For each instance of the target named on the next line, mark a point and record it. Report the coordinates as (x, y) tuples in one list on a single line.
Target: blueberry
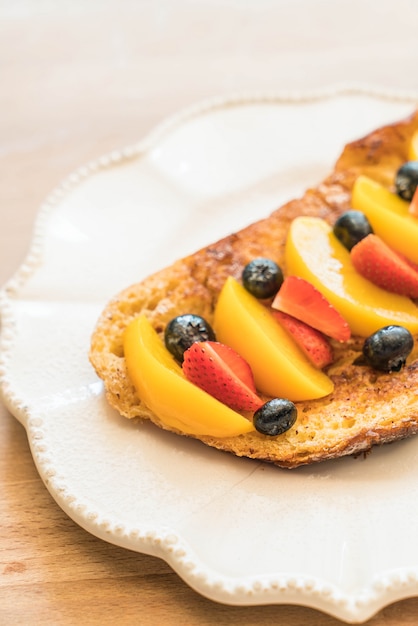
[(388, 348), (262, 278), (184, 330), (275, 417), (351, 227), (406, 180)]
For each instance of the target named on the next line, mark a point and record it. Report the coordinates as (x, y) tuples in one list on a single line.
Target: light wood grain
[(79, 79)]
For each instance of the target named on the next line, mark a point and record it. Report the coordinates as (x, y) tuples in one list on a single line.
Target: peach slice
[(413, 147), (160, 383), (388, 215), (314, 253), (279, 366), (367, 191)]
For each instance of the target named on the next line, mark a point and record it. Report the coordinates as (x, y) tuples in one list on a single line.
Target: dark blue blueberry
[(262, 278), (184, 330), (275, 417), (388, 348), (351, 227), (406, 180)]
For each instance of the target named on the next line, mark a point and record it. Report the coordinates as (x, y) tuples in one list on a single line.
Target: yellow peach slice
[(388, 215), (160, 383), (368, 192), (314, 253), (413, 147), (280, 368)]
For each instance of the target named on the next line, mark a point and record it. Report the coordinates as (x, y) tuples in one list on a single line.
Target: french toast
[(366, 408)]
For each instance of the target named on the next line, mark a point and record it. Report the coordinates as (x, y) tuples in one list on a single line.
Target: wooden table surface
[(79, 79)]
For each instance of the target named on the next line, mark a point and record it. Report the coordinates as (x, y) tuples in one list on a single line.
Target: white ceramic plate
[(340, 536)]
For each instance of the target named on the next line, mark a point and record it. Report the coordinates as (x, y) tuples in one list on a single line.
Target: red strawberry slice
[(223, 373), (312, 342), (299, 298), (413, 207), (384, 267)]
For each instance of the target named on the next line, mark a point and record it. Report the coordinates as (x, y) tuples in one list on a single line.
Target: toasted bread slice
[(366, 408)]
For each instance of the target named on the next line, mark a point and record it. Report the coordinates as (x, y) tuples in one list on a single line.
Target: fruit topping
[(280, 368), (182, 331), (275, 417), (369, 196), (384, 267), (413, 147), (413, 207), (314, 253), (351, 227), (162, 386), (262, 278), (312, 342), (223, 373), (388, 348), (406, 180), (389, 216), (299, 298)]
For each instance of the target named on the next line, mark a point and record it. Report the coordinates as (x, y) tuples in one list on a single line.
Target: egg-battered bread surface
[(367, 407)]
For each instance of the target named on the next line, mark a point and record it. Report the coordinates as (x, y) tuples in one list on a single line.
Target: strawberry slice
[(384, 267), (299, 298), (413, 207), (223, 373), (312, 342)]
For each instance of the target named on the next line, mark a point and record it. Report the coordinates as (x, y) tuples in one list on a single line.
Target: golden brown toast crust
[(366, 408)]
